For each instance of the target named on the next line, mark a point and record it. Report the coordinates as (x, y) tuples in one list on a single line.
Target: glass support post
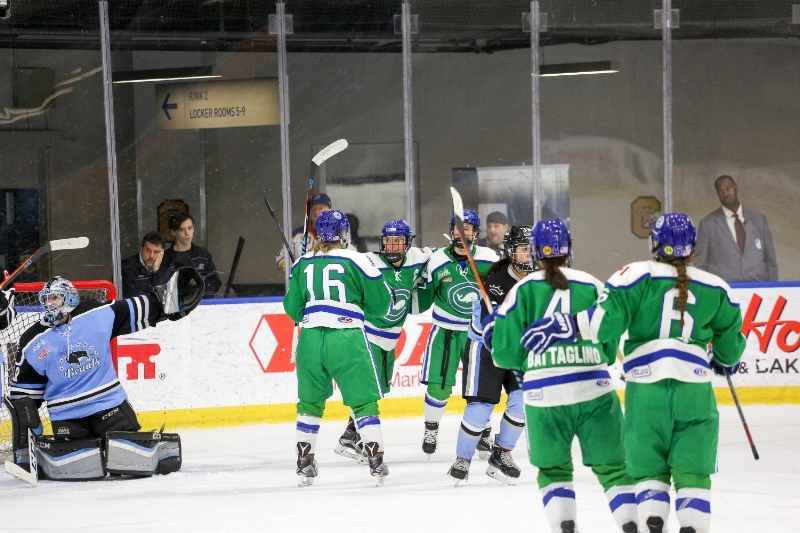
[(408, 121), (536, 165), (666, 32), (283, 91)]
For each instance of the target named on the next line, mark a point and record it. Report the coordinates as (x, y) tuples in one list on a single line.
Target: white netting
[(28, 312)]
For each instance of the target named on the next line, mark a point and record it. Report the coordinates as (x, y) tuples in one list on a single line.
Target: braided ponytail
[(681, 283), (552, 272)]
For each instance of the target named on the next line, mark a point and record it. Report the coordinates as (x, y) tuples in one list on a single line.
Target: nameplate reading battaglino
[(217, 104)]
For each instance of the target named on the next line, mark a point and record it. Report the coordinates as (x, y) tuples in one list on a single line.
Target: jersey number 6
[(327, 283)]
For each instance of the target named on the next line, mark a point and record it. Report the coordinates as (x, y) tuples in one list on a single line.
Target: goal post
[(29, 311)]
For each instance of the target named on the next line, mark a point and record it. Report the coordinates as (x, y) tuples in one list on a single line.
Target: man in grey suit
[(734, 242)]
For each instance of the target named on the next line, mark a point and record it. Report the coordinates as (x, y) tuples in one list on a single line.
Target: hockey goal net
[(30, 311)]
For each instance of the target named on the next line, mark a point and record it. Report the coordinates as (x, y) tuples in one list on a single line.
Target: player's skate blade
[(655, 524), (430, 441), (502, 466), (485, 444), (307, 467), (344, 451), (459, 471)]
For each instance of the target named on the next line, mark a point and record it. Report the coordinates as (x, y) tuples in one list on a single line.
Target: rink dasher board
[(228, 362)]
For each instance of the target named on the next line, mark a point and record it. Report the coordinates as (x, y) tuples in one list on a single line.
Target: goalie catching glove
[(181, 294)]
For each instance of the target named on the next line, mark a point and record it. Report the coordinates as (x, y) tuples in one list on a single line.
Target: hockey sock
[(652, 499), (435, 401), (693, 509), (307, 430), (513, 422), (559, 504), (476, 415), (619, 491), (369, 427)]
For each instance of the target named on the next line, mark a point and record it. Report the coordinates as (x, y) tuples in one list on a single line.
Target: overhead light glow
[(168, 79), (164, 74), (577, 69)]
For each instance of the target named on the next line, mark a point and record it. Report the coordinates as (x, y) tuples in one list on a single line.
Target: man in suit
[(734, 242)]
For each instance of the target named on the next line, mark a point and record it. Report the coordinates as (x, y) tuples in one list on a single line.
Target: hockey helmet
[(470, 217), (551, 238), (332, 226), (515, 237), (58, 298), (395, 228), (673, 235)]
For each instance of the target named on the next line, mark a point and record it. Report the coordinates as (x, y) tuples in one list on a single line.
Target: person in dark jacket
[(185, 253), (142, 271)]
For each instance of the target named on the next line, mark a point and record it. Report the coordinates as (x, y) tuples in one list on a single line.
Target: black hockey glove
[(181, 294)]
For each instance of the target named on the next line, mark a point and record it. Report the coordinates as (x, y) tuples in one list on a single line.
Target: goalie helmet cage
[(30, 311)]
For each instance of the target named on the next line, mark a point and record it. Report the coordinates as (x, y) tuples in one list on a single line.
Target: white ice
[(242, 479)]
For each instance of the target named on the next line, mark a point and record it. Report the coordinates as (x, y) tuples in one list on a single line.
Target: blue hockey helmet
[(550, 238), (395, 228), (672, 236), (470, 217), (58, 297), (332, 226)]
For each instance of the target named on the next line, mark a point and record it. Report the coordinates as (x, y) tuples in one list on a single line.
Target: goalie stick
[(52, 246), (741, 414), (458, 211), (18, 472)]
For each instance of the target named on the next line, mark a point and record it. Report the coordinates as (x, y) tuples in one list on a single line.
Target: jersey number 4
[(669, 315), (327, 283)]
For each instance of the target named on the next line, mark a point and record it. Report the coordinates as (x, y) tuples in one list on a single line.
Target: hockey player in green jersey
[(672, 311), (331, 289), (450, 287), (401, 267), (567, 389)]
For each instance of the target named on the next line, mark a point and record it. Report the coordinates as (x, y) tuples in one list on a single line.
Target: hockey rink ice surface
[(242, 479)]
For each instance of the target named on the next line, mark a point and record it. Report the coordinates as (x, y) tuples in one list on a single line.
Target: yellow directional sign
[(218, 104)]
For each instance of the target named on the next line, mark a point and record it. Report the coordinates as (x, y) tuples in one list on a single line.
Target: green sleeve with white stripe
[(294, 303), (619, 305), (728, 343)]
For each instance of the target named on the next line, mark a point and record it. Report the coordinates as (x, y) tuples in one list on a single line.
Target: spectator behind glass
[(734, 242), (185, 253), (355, 240), (142, 271), (496, 227)]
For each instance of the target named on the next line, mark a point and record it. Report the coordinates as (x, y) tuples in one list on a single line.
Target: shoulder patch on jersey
[(630, 274)]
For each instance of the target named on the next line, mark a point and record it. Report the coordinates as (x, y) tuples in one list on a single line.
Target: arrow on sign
[(166, 106)]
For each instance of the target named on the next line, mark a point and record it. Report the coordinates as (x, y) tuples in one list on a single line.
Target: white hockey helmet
[(58, 297)]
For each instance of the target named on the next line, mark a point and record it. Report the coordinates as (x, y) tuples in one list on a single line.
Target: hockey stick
[(458, 211), (18, 472), (52, 246), (322, 156), (741, 414), (235, 264), (280, 228)]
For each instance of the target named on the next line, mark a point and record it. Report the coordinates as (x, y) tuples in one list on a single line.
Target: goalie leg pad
[(24, 416), (70, 460), (143, 453)]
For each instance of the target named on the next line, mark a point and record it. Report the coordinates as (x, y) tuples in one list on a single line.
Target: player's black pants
[(481, 379), (119, 418)]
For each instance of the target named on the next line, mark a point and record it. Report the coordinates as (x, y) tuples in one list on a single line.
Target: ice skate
[(306, 465), (502, 466), (568, 526), (376, 465), (687, 530), (430, 441), (655, 524), (631, 527), (459, 471), (350, 445), (485, 444)]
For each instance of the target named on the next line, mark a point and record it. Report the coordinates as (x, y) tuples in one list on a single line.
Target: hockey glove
[(719, 369), (541, 334), (181, 294)]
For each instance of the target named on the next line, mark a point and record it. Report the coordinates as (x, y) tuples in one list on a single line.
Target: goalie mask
[(332, 226), (551, 238), (58, 297), (516, 247), (673, 235), (395, 228), (471, 218)]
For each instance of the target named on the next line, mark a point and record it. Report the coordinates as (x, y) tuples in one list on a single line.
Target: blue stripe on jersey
[(704, 506), (622, 499), (307, 428), (381, 333), (657, 495), (558, 493), (317, 308), (661, 354), (440, 318), (566, 378)]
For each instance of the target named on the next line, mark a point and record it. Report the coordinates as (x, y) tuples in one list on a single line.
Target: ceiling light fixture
[(577, 69)]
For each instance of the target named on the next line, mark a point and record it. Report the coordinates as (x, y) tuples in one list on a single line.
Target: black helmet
[(517, 236)]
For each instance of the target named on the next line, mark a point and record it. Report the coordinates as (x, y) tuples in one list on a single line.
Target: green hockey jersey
[(566, 373), (335, 290), (385, 330), (450, 287), (641, 298)]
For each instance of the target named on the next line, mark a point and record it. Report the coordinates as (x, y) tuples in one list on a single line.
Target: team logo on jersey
[(496, 289), (460, 297), (75, 358), (603, 382), (399, 308)]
